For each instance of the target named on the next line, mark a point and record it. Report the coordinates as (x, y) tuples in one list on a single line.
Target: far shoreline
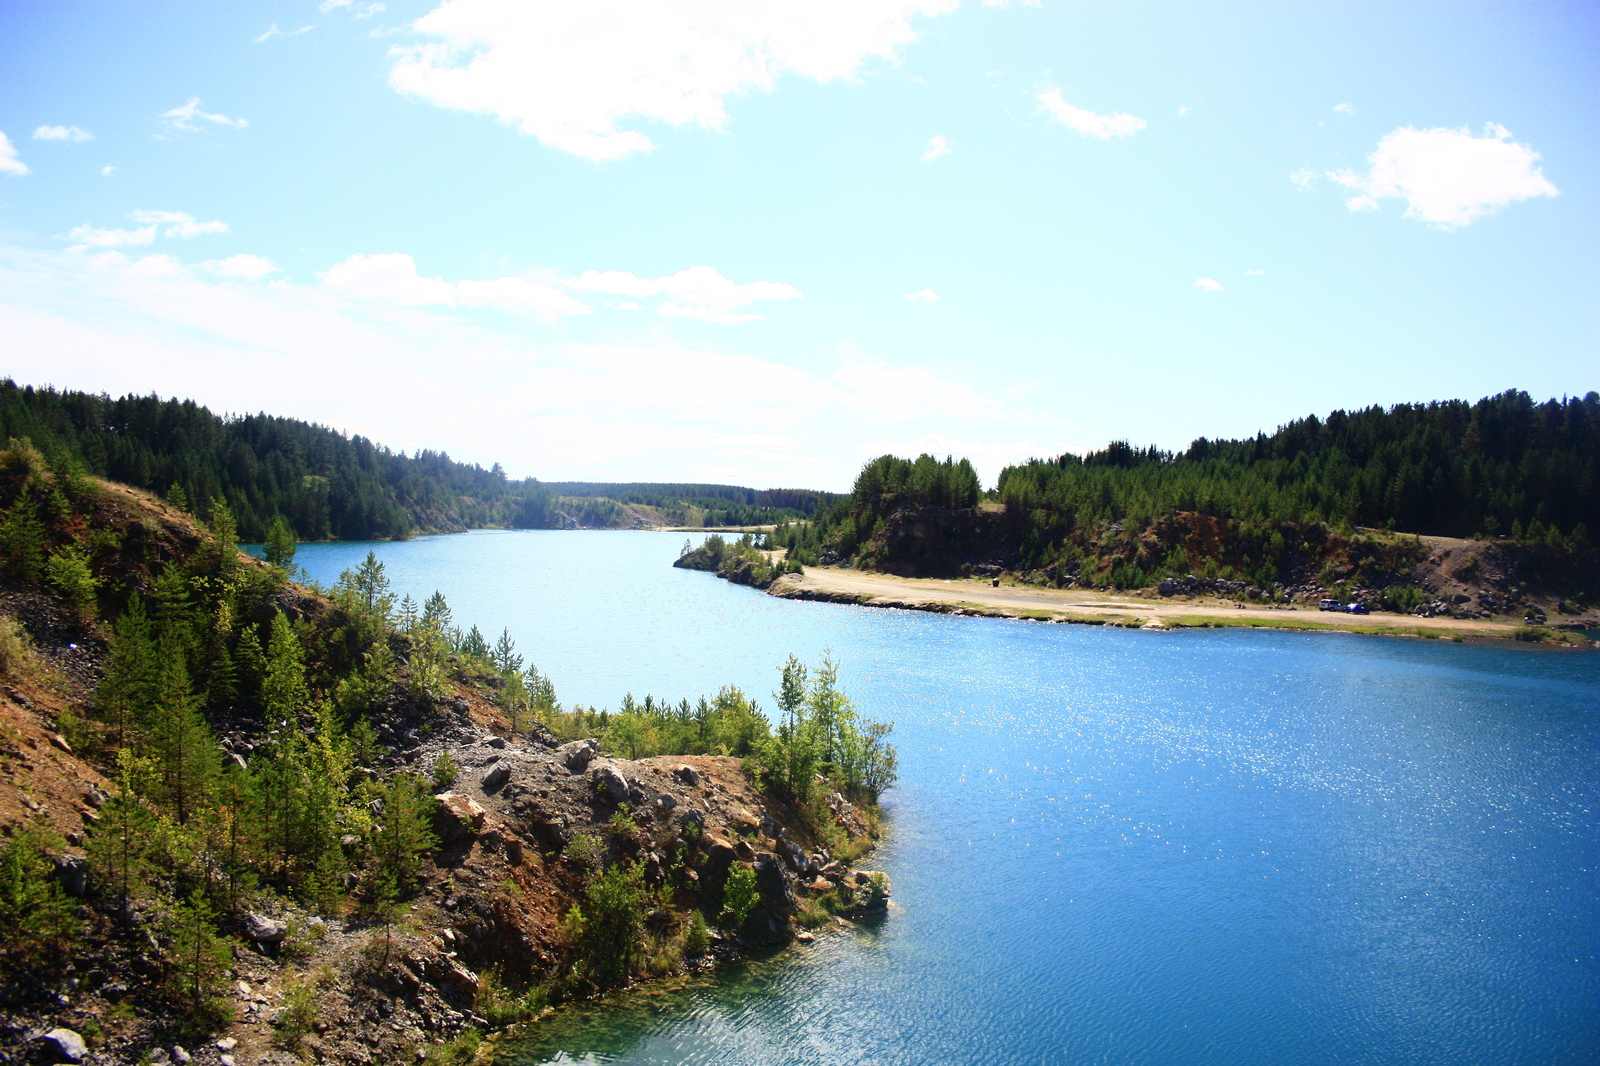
[(972, 597)]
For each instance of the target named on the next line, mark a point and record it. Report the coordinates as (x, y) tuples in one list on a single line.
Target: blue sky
[(760, 243)]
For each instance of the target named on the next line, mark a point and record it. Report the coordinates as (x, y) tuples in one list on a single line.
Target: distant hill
[(332, 486)]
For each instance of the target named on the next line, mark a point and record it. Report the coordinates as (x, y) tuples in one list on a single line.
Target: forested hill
[(1270, 508), (711, 505), (330, 486), (326, 484)]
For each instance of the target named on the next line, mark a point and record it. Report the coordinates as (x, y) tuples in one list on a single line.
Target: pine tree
[(128, 688), (36, 915), (184, 751), (280, 546), (198, 960), (283, 680), (119, 846)]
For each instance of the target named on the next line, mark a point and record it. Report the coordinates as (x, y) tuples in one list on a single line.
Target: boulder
[(457, 818), (666, 801), (73, 873), (578, 754), (773, 885), (64, 1044), (608, 779), (688, 775), (265, 930), (497, 776)]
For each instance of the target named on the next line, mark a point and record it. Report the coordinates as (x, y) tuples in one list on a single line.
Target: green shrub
[(68, 570), (739, 895), (16, 650), (37, 917), (444, 772), (586, 849), (697, 938)]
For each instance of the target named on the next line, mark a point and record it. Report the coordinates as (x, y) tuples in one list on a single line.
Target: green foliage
[(696, 938), (820, 732), (612, 919), (22, 539), (68, 570), (740, 561), (739, 895), (444, 772), (36, 915), (16, 650), (500, 1007), (280, 545), (403, 832), (197, 963), (586, 850)]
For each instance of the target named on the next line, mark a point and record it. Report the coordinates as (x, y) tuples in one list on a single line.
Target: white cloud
[(1303, 178), (484, 390), (1254, 273), (273, 31), (573, 74), (357, 10), (1088, 123), (179, 224), (75, 134), (107, 170), (1447, 177), (924, 296), (9, 162), (1183, 110), (87, 236), (392, 278), (1208, 284), (188, 117), (1344, 109), (698, 292), (242, 266), (937, 146)]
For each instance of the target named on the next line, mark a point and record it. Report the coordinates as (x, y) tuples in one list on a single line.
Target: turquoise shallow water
[(1112, 847)]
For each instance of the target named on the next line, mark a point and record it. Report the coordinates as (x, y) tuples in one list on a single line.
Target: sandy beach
[(973, 596)]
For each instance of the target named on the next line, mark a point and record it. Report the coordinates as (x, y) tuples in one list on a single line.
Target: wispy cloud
[(107, 170), (699, 292), (1254, 273), (75, 134), (937, 146), (244, 267), (577, 75), (1208, 284), (1086, 122), (923, 296), (1448, 177), (392, 278), (180, 224), (1303, 178), (10, 162), (1344, 109), (273, 31), (87, 236), (357, 10), (188, 117)]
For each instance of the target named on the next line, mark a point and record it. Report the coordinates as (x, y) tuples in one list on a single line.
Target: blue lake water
[(1108, 846)]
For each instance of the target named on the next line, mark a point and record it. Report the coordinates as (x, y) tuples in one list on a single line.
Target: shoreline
[(973, 597)]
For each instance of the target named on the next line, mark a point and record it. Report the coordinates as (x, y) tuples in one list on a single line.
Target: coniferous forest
[(329, 486), (1504, 467)]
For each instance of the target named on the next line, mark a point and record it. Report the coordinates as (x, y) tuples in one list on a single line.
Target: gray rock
[(608, 778), (180, 1056), (688, 775), (773, 885), (666, 801), (65, 1045), (265, 930), (73, 873), (578, 754), (497, 776), (227, 1043)]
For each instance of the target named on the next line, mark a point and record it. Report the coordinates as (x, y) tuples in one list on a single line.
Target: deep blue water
[(1108, 846)]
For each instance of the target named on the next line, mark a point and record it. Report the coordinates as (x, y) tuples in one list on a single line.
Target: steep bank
[(487, 926)]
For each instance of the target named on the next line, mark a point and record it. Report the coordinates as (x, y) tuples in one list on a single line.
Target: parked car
[(1329, 605), (1357, 608)]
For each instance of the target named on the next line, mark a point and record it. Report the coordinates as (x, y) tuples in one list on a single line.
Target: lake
[(1108, 846)]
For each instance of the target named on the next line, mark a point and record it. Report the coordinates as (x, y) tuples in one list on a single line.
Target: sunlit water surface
[(1107, 846)]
